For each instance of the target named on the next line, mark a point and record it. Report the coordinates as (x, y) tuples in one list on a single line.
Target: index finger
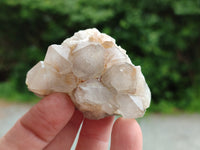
[(40, 125)]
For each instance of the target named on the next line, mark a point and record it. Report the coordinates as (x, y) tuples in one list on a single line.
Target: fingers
[(65, 138), (95, 134), (46, 123), (126, 135), (41, 124)]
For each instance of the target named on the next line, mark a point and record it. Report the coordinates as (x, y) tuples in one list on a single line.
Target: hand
[(52, 124)]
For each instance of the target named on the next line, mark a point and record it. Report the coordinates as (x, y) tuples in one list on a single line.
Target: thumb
[(40, 125)]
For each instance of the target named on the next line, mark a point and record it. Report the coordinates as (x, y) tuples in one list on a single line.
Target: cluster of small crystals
[(96, 73)]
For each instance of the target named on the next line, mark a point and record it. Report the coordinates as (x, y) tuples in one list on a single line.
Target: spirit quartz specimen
[(96, 73)]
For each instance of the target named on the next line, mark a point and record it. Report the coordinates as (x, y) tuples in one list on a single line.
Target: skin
[(54, 122)]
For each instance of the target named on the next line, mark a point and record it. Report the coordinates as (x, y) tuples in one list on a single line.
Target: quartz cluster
[(96, 73)]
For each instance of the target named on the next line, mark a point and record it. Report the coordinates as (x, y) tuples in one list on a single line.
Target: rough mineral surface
[(96, 73)]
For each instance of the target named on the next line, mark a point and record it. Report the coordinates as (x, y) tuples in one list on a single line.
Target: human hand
[(52, 124)]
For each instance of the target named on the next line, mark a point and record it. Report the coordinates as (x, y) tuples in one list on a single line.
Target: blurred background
[(163, 36)]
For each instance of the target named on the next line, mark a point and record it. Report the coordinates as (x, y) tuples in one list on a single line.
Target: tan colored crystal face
[(97, 74)]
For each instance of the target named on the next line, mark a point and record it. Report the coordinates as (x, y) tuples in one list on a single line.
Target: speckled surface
[(171, 132)]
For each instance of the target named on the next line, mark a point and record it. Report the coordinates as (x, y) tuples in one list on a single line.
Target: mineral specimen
[(96, 73)]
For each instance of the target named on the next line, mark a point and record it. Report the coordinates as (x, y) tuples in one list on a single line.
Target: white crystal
[(89, 35), (43, 79), (121, 78), (58, 57), (88, 61), (130, 106), (116, 55), (142, 89), (97, 74), (93, 93)]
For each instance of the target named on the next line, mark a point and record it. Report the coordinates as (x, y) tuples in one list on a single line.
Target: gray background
[(160, 132)]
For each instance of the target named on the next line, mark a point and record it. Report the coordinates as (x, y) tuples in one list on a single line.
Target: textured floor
[(160, 132), (177, 132)]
